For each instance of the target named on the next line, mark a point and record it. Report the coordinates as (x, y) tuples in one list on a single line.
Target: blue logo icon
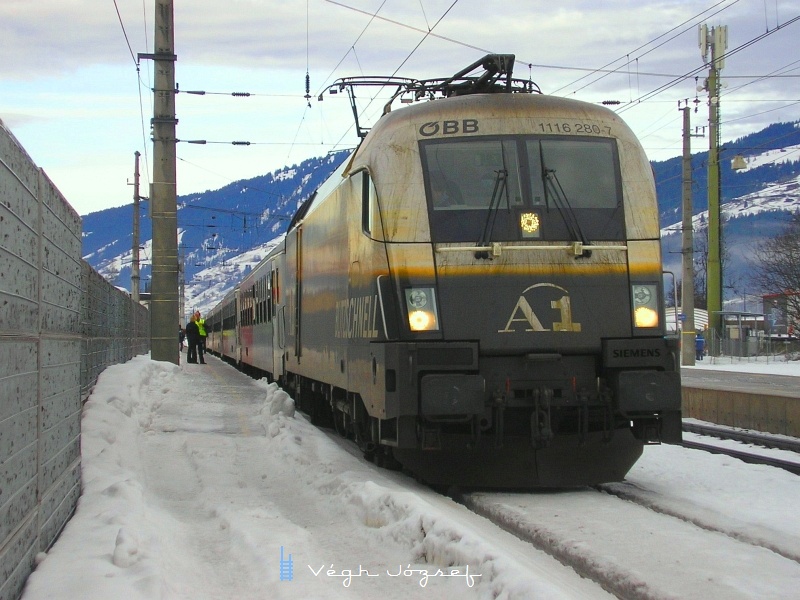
[(287, 567)]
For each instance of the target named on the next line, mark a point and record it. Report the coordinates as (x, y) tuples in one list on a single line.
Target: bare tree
[(700, 268), (778, 267)]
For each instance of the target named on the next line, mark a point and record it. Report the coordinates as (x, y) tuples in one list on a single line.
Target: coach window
[(260, 301), (276, 292), (268, 294), (264, 299)]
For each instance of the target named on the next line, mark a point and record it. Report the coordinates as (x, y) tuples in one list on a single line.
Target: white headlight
[(645, 317), (419, 320)]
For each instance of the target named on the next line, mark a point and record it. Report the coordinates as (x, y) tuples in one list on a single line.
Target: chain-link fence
[(749, 348)]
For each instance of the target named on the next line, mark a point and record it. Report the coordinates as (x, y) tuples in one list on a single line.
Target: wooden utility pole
[(164, 317), (135, 246), (714, 40)]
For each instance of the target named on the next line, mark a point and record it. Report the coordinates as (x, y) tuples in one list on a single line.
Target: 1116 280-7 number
[(575, 128)]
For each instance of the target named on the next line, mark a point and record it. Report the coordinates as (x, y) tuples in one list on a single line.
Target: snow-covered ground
[(766, 365), (200, 483)]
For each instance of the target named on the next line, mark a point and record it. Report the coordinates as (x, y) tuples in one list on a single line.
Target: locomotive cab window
[(370, 223), (549, 188)]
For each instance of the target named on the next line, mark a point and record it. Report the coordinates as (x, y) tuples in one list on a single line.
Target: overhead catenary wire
[(125, 34), (141, 100), (428, 32), (777, 73), (702, 68), (715, 9), (352, 46), (138, 79), (338, 64), (424, 37), (604, 69), (405, 25), (763, 146), (705, 14), (243, 187)]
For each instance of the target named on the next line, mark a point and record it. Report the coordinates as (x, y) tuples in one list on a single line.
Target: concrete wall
[(770, 414), (113, 328), (61, 324)]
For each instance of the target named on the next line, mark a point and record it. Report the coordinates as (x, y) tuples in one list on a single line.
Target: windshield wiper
[(561, 202), (500, 179), (553, 186)]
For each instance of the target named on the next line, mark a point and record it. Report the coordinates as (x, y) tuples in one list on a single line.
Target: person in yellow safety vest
[(201, 347)]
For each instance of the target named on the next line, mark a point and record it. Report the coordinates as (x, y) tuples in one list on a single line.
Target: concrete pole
[(135, 246), (688, 332), (164, 317), (715, 40), (714, 270), (182, 287)]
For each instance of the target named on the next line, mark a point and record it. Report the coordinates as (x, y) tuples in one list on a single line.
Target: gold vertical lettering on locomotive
[(357, 317), (358, 310), (365, 317), (351, 315), (375, 303)]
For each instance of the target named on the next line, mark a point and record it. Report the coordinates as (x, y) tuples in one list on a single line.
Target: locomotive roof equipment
[(496, 78)]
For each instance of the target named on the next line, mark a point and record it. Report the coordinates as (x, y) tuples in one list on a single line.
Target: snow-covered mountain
[(224, 233), (221, 233), (747, 219)]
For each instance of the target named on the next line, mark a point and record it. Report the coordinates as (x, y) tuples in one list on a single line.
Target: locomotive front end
[(523, 248)]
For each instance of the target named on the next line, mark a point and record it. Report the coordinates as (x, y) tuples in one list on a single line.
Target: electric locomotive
[(476, 294)]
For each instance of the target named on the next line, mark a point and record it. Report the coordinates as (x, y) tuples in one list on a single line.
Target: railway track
[(639, 544), (629, 545), (607, 532), (754, 438), (670, 530)]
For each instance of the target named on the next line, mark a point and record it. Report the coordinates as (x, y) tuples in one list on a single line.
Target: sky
[(199, 483), (74, 93)]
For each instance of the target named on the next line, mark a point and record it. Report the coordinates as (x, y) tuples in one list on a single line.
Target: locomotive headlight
[(530, 224), (421, 305), (645, 307)]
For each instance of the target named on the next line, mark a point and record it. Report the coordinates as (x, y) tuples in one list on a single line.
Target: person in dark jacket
[(193, 337), (700, 347)]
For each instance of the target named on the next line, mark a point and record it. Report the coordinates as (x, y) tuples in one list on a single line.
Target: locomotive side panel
[(365, 317), (317, 264)]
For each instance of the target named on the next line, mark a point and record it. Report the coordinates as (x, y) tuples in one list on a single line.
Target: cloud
[(69, 79), (47, 37)]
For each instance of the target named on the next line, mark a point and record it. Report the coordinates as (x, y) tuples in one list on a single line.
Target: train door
[(298, 295), (277, 316), (237, 330)]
